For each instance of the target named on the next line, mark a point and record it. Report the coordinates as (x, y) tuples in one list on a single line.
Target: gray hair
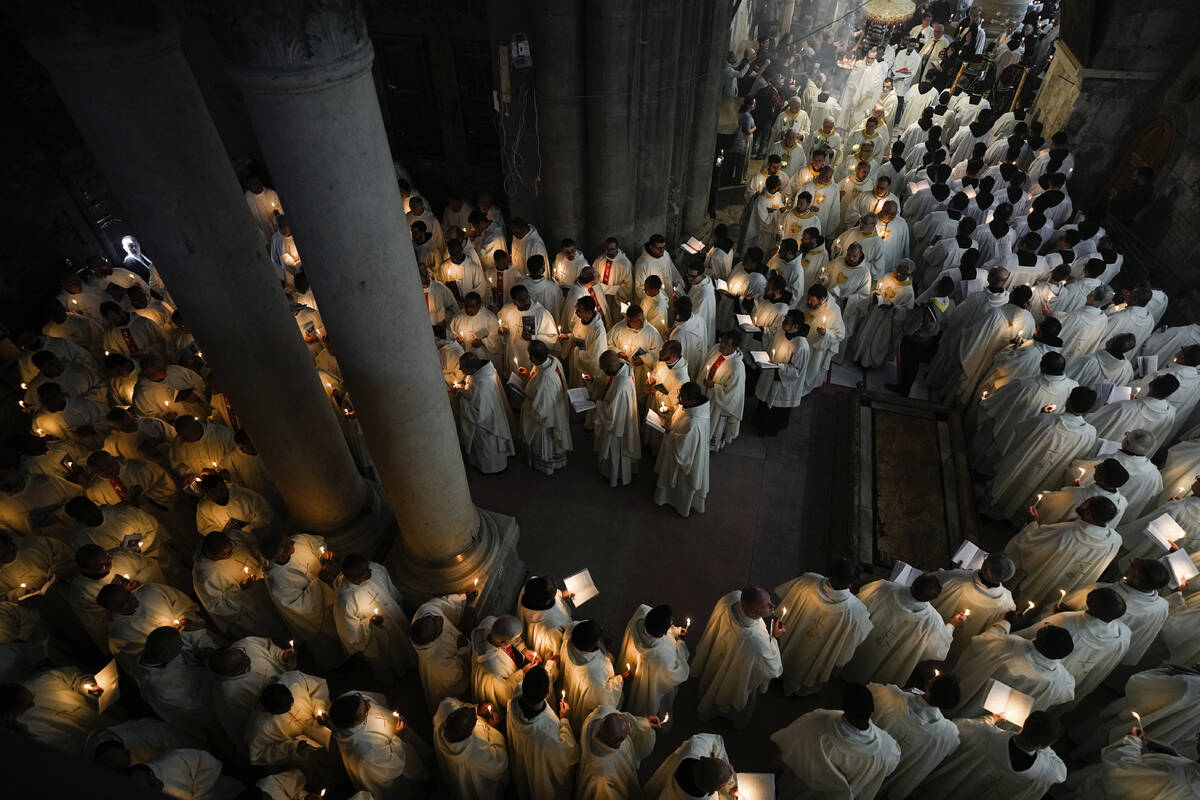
[(1140, 442)]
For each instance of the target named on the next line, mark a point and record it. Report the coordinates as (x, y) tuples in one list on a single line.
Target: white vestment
[(235, 696), (188, 774), (823, 628), (272, 739), (662, 784), (484, 422), (827, 757), (981, 767), (683, 460), (1014, 661), (494, 673), (727, 395), (1065, 555), (618, 445), (924, 736), (1114, 420), (306, 602), (736, 660), (61, 715), (374, 755), (443, 662), (542, 753), (905, 631), (1048, 444), (218, 584), (1145, 613), (385, 646), (660, 666), (475, 768), (1099, 647), (546, 417), (963, 588), (158, 605), (588, 679), (611, 774)]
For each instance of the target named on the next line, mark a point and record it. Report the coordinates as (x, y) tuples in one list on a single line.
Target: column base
[(369, 533), (492, 558)]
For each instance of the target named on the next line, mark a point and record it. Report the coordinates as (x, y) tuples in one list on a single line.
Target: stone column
[(558, 72), (658, 76), (136, 104), (305, 71), (612, 34), (705, 113)]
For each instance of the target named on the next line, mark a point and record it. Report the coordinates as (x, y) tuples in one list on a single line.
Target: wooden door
[(1150, 150)]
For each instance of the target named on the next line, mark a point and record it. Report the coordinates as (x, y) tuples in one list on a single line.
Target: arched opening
[(1151, 149)]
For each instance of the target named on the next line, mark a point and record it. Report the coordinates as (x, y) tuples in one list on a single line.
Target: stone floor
[(767, 521)]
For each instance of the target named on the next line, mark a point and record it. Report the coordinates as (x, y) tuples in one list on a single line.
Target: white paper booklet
[(582, 588), (580, 401)]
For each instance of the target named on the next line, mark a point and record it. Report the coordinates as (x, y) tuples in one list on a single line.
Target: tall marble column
[(305, 70), (136, 104)]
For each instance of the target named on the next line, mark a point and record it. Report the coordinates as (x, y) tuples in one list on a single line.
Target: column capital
[(285, 46), (96, 42)]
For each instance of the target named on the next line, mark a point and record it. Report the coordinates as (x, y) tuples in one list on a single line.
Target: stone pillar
[(654, 124), (136, 104), (705, 112), (305, 71), (558, 72), (612, 35)]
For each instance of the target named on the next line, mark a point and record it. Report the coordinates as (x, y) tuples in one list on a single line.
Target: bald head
[(614, 729), (459, 724), (756, 602)]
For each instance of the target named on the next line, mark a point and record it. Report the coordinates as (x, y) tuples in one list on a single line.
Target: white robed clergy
[(132, 615), (98, 568), (477, 330), (588, 676), (723, 378), (1106, 365), (289, 719), (638, 344), (370, 618), (546, 412), (841, 753), (1145, 609), (879, 335), (522, 321), (980, 590), (442, 650), (542, 751), (499, 660), (471, 754), (1000, 419), (825, 624), (1145, 481), (1166, 700), (906, 630), (826, 331), (1186, 513), (228, 578), (1187, 396), (1100, 639), (1138, 766), (682, 464), (1064, 555), (381, 753), (302, 598), (653, 260), (1180, 468), (849, 279), (653, 645), (862, 89), (1150, 411), (914, 718), (1034, 667), (701, 307), (545, 617), (239, 673), (702, 765), (55, 709), (172, 678), (589, 340), (764, 216), (484, 416), (225, 507), (738, 655), (116, 526), (612, 745), (618, 442), (1046, 446), (781, 389), (186, 774), (991, 761)]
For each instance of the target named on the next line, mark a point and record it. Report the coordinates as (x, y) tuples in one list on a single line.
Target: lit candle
[(24, 386), (126, 577), (107, 353), (1030, 607), (1137, 717), (627, 667), (166, 403), (396, 714), (563, 695), (322, 549), (1081, 471), (665, 718), (983, 396), (783, 612), (688, 623), (1062, 595), (291, 642), (175, 622), (488, 708), (22, 586), (246, 570), (87, 687), (937, 672), (1039, 499), (39, 431), (966, 612)]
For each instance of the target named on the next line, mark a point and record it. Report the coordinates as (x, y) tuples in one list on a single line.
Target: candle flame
[(665, 718), (1062, 595), (966, 612), (1138, 717), (291, 642), (937, 672), (1030, 607)]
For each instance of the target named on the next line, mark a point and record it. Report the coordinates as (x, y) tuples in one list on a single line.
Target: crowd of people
[(135, 512)]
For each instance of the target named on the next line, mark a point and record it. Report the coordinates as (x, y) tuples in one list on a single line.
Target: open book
[(653, 420), (762, 361), (1165, 530), (904, 574), (756, 786), (746, 322), (1183, 569), (580, 401), (1006, 701), (968, 555), (581, 586)]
